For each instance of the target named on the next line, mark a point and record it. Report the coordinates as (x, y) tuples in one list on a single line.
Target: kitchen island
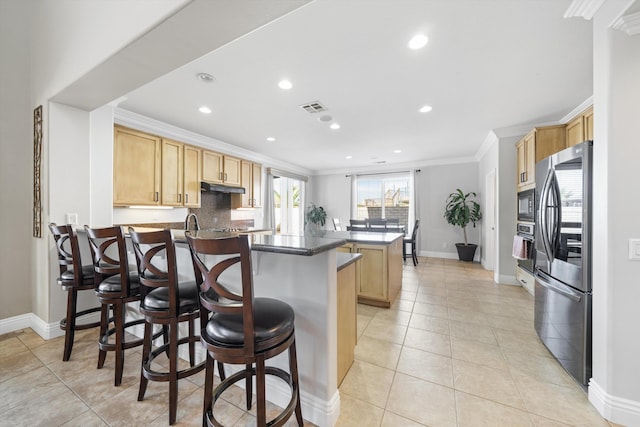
[(380, 270), (302, 271)]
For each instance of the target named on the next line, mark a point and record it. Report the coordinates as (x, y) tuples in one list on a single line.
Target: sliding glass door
[(288, 194)]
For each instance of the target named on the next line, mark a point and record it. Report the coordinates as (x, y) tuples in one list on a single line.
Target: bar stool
[(242, 329), (115, 287), (74, 277), (166, 302)]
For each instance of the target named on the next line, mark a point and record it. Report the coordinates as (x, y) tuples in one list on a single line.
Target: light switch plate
[(634, 249), (72, 218)]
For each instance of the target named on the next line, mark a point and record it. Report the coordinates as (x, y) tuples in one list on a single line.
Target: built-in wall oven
[(526, 230)]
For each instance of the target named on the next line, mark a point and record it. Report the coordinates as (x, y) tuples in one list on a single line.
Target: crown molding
[(583, 9), (630, 24), (579, 109)]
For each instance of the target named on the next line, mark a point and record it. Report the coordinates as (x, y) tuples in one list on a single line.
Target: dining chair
[(116, 286), (74, 277), (336, 224), (411, 241), (239, 328), (377, 224), (358, 224), (165, 301)]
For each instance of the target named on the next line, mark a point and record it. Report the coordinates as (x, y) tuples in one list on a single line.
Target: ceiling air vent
[(313, 107)]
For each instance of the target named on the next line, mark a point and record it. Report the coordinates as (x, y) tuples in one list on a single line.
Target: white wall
[(435, 183), (616, 287), (16, 160)]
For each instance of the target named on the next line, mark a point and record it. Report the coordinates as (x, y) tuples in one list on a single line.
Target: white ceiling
[(489, 64)]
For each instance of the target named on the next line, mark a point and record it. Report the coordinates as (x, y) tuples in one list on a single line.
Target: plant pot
[(466, 252)]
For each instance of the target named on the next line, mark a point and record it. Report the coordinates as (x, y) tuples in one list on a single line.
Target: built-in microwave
[(526, 205)]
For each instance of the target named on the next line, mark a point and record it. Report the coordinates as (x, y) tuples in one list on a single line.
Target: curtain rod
[(379, 173), (279, 172)]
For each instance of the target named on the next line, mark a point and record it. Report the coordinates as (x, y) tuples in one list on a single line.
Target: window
[(383, 196)]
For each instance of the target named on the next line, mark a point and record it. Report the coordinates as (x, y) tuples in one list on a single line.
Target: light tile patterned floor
[(455, 349)]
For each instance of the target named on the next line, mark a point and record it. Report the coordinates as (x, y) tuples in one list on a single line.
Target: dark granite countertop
[(372, 237), (292, 245), (345, 259)]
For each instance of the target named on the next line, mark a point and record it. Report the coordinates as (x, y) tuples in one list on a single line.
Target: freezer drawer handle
[(547, 282)]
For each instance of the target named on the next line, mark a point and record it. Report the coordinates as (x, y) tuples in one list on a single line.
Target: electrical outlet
[(72, 218)]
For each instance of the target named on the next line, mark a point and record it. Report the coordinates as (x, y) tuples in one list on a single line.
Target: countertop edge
[(345, 259)]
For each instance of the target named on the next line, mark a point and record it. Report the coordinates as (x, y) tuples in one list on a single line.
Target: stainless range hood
[(220, 188)]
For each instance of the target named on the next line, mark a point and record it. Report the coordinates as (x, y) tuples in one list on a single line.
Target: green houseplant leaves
[(461, 209), (315, 215)]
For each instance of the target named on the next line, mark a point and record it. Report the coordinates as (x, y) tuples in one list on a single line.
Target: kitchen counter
[(345, 259), (370, 237), (292, 245)]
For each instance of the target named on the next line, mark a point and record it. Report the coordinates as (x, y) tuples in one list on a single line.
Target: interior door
[(490, 221)]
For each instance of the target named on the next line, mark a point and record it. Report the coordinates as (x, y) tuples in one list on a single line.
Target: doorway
[(490, 221)]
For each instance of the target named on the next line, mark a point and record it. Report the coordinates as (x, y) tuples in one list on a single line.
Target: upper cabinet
[(136, 168), (251, 181), (539, 143), (192, 176), (152, 171), (220, 169), (580, 128)]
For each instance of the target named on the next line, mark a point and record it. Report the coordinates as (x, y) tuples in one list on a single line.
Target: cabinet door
[(521, 153), (575, 131), (256, 179), (136, 168), (245, 182), (588, 124), (212, 167), (232, 171), (373, 271), (192, 176), (172, 174), (530, 169)]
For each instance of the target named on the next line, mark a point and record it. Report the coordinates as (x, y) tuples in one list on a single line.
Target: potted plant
[(460, 210), (316, 216)]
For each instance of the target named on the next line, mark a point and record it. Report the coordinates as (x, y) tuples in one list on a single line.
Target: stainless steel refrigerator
[(563, 257)]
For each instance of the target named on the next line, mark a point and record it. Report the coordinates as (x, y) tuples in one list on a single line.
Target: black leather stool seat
[(114, 284), (273, 319), (87, 275), (158, 299)]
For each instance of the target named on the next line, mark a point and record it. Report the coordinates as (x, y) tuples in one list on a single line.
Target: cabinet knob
[(186, 198), (155, 198), (179, 198)]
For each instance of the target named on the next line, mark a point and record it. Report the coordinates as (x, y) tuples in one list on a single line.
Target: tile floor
[(455, 349)]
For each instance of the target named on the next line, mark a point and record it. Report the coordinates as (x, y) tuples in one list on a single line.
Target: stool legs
[(119, 350), (293, 368), (104, 328), (70, 323)]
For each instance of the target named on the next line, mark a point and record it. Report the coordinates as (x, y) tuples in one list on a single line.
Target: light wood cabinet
[(380, 277), (539, 143), (153, 171), (192, 176), (580, 128), (136, 168), (220, 169), (172, 173), (251, 181), (347, 317)]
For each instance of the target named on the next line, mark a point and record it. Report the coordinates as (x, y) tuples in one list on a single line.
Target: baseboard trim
[(15, 323), (616, 409), (46, 330)]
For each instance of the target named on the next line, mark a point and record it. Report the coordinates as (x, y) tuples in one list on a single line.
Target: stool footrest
[(153, 375), (278, 421), (77, 327)]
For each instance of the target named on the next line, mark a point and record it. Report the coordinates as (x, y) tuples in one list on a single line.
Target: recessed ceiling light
[(397, 151), (285, 84), (418, 41), (205, 110), (425, 109), (271, 139), (334, 126), (348, 157), (325, 118), (204, 77)]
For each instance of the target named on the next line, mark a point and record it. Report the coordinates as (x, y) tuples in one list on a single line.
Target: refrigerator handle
[(554, 285), (542, 216), (555, 232)]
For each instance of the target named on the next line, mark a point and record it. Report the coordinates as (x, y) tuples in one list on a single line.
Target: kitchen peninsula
[(302, 271)]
